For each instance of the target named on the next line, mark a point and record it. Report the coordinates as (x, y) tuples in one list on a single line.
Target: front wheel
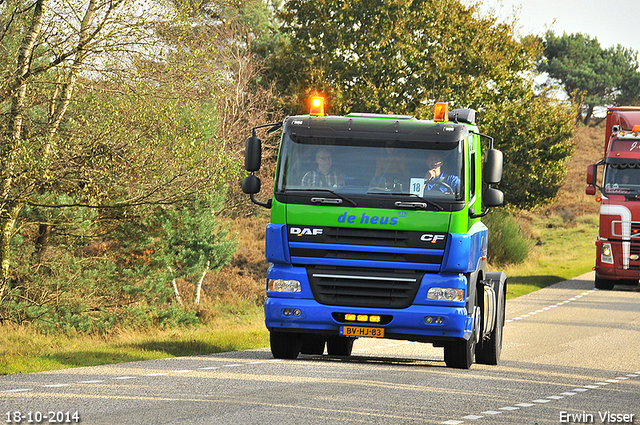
[(313, 344), (339, 345), (604, 284), (459, 354), (285, 345)]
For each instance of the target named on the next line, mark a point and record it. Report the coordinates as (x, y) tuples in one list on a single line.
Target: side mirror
[(492, 169), (492, 197), (251, 184), (253, 154), (591, 190), (591, 174)]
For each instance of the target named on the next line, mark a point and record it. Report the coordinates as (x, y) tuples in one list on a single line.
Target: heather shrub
[(508, 244)]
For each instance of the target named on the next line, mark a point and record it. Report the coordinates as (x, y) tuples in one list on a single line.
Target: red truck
[(618, 243)]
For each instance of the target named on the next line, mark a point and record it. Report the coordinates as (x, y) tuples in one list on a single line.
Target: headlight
[(282, 285), (446, 294), (607, 253)]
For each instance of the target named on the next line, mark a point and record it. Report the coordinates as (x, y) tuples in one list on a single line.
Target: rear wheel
[(488, 351), (285, 345), (339, 345)]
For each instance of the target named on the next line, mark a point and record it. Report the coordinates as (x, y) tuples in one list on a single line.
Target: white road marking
[(548, 399)]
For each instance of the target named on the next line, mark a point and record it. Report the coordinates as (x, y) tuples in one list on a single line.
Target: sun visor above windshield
[(624, 162), (374, 129)]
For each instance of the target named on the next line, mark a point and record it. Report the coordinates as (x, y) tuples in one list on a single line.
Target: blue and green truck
[(366, 240)]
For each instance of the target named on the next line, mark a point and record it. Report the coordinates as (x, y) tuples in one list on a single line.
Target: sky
[(612, 22)]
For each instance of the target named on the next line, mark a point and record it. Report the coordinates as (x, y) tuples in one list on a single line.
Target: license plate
[(360, 331)]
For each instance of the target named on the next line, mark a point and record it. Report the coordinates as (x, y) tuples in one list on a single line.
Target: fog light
[(363, 318), (297, 312), (374, 319), (286, 312), (439, 320), (350, 317), (428, 320), (446, 294)]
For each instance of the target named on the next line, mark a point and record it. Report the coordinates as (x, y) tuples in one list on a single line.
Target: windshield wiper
[(332, 201), (410, 204)]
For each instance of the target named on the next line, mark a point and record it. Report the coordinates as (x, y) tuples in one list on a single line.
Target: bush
[(507, 242)]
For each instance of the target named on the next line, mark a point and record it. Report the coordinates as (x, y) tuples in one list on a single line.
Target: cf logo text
[(427, 237)]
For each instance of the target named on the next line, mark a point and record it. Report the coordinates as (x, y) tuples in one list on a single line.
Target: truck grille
[(360, 287), (354, 247)]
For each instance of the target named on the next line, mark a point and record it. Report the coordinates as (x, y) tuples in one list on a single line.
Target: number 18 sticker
[(417, 187)]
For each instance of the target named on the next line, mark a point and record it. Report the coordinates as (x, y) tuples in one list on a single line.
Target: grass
[(24, 350), (563, 234), (563, 250)]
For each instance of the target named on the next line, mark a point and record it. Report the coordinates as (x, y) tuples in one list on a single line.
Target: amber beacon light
[(317, 106), (441, 112)]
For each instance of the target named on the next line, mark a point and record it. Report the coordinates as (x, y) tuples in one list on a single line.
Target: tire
[(340, 345), (313, 344), (604, 284), (285, 345), (459, 354), (488, 351)]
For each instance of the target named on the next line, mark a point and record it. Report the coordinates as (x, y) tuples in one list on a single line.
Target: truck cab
[(618, 242), (376, 232)]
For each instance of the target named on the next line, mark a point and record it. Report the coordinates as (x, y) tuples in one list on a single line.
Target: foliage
[(92, 282), (534, 135), (402, 56), (507, 242), (49, 46), (116, 123), (593, 75)]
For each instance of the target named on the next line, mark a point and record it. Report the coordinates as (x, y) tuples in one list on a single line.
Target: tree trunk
[(588, 115), (10, 143), (199, 285), (8, 217), (42, 241), (175, 287)]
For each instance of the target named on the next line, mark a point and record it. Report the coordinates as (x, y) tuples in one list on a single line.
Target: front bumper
[(406, 324)]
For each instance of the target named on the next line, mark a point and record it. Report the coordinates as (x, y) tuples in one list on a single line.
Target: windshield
[(359, 168), (622, 178)]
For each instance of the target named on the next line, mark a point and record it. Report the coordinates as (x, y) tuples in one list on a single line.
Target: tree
[(48, 45), (151, 126), (590, 74), (403, 56), (190, 243)]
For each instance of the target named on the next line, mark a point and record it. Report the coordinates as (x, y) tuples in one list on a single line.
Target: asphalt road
[(568, 350)]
